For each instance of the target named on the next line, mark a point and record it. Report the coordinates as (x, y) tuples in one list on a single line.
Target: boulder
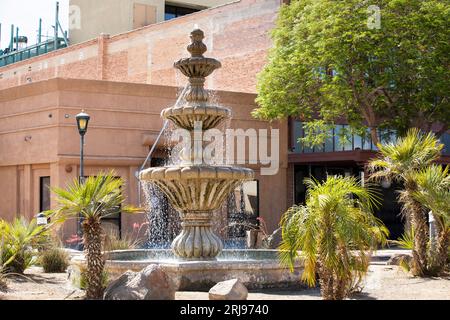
[(273, 241), (397, 258), (151, 283), (228, 290)]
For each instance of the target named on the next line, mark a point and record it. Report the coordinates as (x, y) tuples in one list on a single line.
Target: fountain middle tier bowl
[(185, 116), (196, 188)]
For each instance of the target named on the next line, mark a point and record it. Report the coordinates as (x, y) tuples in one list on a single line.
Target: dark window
[(243, 209), (112, 223), (44, 193), (172, 12)]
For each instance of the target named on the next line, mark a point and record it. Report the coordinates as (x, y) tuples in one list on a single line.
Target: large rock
[(397, 258), (228, 290), (273, 241), (151, 283)]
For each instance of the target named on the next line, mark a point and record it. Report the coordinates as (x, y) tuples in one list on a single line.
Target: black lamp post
[(82, 123)]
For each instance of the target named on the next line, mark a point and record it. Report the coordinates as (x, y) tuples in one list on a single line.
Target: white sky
[(25, 14)]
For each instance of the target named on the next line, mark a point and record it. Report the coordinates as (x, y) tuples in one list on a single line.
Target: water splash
[(229, 222)]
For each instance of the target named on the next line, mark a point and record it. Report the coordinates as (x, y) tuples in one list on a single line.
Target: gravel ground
[(37, 285), (383, 282)]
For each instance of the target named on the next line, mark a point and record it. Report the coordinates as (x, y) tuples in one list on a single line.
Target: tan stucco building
[(123, 80), (39, 141)]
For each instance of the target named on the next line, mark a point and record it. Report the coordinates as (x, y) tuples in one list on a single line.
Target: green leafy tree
[(377, 64), (332, 233), (434, 193), (402, 161), (94, 199)]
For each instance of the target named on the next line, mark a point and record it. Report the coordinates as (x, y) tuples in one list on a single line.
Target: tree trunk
[(95, 262), (419, 252), (440, 260), (326, 283), (340, 290), (374, 135)]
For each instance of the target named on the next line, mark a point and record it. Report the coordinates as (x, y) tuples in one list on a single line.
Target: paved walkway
[(382, 282)]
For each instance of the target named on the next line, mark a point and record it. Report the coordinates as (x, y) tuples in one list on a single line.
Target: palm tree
[(333, 231), (95, 198), (434, 193), (400, 161)]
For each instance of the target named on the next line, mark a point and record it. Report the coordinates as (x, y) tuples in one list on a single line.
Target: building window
[(172, 11), (341, 139), (243, 209), (112, 223), (44, 193)]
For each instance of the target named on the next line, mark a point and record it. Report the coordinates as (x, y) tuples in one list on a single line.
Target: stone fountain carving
[(196, 190)]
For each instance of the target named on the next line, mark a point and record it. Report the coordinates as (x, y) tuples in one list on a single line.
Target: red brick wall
[(236, 33)]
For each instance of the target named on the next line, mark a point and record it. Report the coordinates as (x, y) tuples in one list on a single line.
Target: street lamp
[(82, 124)]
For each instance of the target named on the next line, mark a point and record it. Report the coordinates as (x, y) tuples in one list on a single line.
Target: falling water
[(163, 220), (230, 221)]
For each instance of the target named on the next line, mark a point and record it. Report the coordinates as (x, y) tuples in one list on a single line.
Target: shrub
[(83, 279), (19, 240), (333, 232), (54, 260), (114, 242)]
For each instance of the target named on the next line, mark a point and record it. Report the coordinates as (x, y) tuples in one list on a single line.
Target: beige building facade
[(40, 144)]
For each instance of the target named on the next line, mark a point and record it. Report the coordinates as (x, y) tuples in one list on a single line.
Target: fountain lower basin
[(257, 269)]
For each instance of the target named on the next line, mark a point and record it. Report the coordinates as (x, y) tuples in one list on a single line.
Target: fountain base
[(257, 269)]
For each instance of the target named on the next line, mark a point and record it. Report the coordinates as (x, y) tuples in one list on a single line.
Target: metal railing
[(32, 51)]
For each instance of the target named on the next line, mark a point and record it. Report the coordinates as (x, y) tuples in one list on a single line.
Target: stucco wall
[(125, 119)]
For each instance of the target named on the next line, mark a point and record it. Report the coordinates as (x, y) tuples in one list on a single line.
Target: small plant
[(54, 260), (333, 233), (20, 238), (83, 279), (113, 242), (94, 198), (406, 241), (126, 242)]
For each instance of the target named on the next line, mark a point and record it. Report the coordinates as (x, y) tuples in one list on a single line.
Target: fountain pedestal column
[(197, 240)]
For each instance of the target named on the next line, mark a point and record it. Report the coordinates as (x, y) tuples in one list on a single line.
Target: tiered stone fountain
[(197, 261), (196, 190)]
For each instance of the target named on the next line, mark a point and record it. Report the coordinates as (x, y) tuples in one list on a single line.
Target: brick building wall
[(235, 33)]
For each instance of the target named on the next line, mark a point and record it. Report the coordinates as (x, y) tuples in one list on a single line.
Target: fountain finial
[(197, 48), (197, 68)]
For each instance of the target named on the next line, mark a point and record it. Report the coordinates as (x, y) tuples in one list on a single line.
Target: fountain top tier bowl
[(197, 106)]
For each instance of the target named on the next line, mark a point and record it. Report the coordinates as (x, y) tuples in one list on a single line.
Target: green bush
[(54, 260), (19, 241), (113, 242), (83, 280)]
